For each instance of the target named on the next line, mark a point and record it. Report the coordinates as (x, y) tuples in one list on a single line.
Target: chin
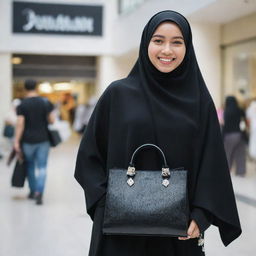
[(163, 70)]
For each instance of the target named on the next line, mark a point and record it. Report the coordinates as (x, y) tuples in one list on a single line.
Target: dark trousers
[(150, 246), (235, 148)]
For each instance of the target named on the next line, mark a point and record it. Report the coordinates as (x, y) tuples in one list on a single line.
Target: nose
[(167, 49)]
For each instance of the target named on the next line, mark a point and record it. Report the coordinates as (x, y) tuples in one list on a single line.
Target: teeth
[(167, 60)]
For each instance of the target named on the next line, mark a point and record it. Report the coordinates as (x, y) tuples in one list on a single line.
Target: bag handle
[(131, 168), (148, 145)]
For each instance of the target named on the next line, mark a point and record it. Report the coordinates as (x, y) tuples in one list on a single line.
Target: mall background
[(224, 37)]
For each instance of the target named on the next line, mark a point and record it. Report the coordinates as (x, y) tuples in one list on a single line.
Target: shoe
[(31, 195), (39, 199)]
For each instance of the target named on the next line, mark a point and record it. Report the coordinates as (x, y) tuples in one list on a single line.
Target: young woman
[(163, 101)]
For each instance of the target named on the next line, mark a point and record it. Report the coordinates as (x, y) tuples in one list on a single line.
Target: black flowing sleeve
[(90, 171), (214, 191), (202, 218)]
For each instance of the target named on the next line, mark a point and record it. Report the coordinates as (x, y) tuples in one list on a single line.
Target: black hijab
[(173, 110), (175, 93)]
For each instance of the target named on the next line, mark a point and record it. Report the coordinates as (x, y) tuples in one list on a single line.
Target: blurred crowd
[(69, 117), (237, 119)]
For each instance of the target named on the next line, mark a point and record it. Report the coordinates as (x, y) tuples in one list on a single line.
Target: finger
[(184, 238), (191, 228), (196, 233)]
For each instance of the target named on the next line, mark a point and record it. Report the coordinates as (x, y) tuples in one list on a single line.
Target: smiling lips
[(166, 60)]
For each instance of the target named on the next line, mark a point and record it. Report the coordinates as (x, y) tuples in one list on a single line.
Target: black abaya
[(175, 111)]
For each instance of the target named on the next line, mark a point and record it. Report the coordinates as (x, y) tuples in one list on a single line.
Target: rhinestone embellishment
[(130, 182), (166, 183)]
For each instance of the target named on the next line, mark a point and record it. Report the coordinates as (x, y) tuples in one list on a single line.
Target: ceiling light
[(62, 86), (16, 60), (45, 87)]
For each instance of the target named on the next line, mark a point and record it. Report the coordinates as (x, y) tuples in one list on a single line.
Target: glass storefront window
[(239, 70)]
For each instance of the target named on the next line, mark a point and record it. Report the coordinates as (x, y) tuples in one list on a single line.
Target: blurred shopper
[(67, 108), (251, 117), (89, 110), (83, 114), (234, 135), (80, 113), (163, 101), (34, 114), (11, 120)]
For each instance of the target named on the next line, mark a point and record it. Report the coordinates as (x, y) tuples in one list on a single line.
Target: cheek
[(151, 52), (182, 53)]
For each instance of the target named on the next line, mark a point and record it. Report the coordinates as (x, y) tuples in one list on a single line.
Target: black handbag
[(53, 134), (54, 137), (19, 173), (146, 202)]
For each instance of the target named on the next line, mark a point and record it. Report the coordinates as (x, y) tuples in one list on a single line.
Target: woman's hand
[(193, 231)]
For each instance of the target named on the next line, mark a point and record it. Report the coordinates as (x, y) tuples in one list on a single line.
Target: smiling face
[(166, 48)]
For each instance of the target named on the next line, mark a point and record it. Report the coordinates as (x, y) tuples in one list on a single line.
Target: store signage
[(57, 19)]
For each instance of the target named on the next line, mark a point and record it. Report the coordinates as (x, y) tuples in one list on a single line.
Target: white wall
[(111, 68), (239, 29), (206, 40)]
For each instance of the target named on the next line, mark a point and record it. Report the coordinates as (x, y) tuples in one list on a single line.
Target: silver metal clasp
[(130, 173), (166, 175), (166, 172)]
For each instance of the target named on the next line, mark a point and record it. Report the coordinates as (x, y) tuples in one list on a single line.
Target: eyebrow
[(175, 37)]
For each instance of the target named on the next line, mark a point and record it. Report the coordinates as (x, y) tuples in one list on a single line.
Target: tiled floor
[(61, 227)]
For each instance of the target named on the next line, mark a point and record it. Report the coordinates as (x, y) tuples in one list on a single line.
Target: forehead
[(168, 28)]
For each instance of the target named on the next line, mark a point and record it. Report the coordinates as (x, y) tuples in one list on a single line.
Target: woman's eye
[(177, 42), (158, 41)]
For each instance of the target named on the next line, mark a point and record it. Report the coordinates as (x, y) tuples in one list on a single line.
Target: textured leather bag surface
[(146, 203)]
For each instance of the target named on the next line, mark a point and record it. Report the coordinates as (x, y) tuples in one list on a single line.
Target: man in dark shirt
[(34, 114)]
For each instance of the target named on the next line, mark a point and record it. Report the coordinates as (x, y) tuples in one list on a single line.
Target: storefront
[(240, 71), (239, 59), (57, 44)]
